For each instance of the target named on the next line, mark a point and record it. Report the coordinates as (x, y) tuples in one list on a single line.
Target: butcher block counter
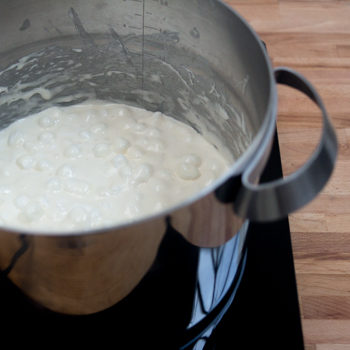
[(313, 37)]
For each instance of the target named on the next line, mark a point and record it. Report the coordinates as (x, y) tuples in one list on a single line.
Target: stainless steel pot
[(195, 60)]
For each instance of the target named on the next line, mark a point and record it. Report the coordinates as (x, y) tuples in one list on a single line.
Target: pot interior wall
[(193, 60)]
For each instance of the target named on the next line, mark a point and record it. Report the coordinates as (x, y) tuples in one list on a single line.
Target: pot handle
[(276, 199)]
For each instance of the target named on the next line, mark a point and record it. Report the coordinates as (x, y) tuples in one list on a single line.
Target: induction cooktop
[(265, 310)]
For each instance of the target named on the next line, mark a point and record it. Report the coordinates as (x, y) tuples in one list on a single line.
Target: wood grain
[(313, 37)]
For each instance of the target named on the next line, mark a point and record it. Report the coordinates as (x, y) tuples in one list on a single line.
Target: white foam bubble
[(187, 172), (16, 139), (46, 122), (26, 162), (102, 150)]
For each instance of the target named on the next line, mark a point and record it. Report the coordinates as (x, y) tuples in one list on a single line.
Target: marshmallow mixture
[(96, 165)]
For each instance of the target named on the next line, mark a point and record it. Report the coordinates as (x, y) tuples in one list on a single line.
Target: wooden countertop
[(313, 37)]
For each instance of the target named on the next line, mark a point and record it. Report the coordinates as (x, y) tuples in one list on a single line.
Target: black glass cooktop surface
[(264, 311)]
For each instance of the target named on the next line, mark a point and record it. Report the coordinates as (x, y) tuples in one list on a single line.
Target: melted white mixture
[(96, 165)]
